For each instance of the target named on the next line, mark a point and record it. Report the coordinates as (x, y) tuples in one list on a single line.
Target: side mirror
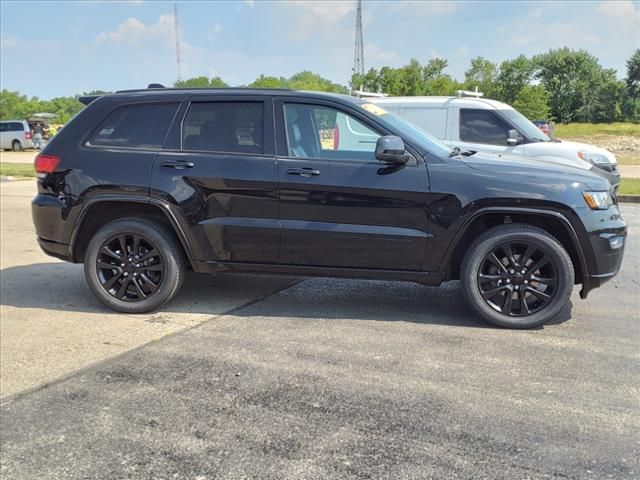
[(390, 148), (512, 137)]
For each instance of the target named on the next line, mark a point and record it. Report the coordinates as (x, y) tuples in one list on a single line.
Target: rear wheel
[(517, 276), (134, 265), (16, 146)]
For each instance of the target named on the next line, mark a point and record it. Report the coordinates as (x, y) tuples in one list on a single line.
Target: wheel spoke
[(138, 288), (152, 286), (151, 253), (541, 295), (123, 245), (524, 307), (111, 282), (156, 267), (106, 266), (107, 251), (540, 263), (136, 244), (490, 278), (527, 255), (494, 291), (510, 257), (508, 303), (122, 291), (496, 261), (544, 280)]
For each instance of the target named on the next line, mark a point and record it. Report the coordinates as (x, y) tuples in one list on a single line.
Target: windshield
[(525, 125), (409, 131)]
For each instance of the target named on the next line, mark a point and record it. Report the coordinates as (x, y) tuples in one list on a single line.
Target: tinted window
[(482, 126), (315, 131), (141, 126), (3, 127), (224, 127)]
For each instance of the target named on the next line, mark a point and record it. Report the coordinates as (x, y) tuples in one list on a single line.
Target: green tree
[(307, 80), (512, 77), (481, 74), (269, 82), (631, 102), (201, 82), (533, 102)]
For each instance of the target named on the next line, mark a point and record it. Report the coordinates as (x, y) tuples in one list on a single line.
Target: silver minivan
[(15, 135)]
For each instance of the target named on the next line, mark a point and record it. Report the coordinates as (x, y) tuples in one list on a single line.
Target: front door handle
[(177, 164), (303, 172)]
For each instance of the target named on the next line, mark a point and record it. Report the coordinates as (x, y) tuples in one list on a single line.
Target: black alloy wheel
[(129, 267), (518, 279)]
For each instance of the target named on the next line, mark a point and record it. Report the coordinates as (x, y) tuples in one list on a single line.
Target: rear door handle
[(303, 172), (177, 164)]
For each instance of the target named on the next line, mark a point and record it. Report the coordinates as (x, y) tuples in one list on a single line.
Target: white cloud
[(214, 31), (134, 32), (375, 55), (8, 41), (623, 12), (326, 11), (424, 7), (462, 51), (251, 3)]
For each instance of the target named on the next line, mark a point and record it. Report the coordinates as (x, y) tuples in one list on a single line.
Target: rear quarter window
[(431, 120), (135, 126)]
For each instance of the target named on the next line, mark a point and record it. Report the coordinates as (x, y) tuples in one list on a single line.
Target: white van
[(15, 135), (489, 126)]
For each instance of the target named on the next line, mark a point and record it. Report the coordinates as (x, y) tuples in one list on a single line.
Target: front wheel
[(517, 276), (134, 265)]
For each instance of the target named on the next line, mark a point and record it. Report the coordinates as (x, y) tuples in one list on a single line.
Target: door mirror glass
[(390, 148), (513, 138)]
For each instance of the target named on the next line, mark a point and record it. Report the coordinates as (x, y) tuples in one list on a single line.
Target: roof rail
[(155, 85), (467, 93), (363, 94)]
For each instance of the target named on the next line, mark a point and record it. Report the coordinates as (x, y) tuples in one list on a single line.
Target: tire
[(131, 284), (528, 282), (16, 146)]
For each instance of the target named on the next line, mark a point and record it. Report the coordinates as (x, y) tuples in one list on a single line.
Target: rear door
[(339, 206), (217, 171)]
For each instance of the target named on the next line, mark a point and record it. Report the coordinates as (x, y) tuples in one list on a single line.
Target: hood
[(532, 168), (569, 150)]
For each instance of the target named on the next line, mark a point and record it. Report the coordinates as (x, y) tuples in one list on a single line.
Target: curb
[(628, 198)]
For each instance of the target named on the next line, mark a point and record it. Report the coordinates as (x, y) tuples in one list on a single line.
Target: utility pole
[(358, 57), (177, 31)]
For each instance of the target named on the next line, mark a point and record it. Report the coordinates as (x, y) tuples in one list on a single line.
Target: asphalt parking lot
[(260, 377)]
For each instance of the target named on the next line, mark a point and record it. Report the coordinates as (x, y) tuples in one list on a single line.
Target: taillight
[(46, 163), (336, 137), (27, 135)]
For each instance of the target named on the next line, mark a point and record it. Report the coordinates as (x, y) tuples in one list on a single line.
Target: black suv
[(145, 184)]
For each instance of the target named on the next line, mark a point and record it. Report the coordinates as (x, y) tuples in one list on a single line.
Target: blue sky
[(62, 48)]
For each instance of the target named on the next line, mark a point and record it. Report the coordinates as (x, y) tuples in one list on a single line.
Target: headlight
[(598, 200), (593, 157)]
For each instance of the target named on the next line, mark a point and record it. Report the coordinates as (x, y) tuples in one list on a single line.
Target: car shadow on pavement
[(61, 286)]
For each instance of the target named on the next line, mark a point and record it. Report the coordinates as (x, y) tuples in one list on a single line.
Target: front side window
[(236, 127), (316, 131), (135, 126), (482, 126)]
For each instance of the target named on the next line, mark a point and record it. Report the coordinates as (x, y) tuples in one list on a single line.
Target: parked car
[(15, 135), (143, 185), (489, 126), (545, 126)]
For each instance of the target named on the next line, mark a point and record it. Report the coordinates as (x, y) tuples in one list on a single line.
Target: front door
[(217, 170), (339, 206), (483, 131)]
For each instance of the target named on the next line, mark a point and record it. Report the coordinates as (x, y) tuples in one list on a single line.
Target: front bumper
[(610, 172), (607, 245)]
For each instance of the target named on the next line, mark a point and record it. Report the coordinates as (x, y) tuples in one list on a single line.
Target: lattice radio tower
[(358, 56), (177, 30)]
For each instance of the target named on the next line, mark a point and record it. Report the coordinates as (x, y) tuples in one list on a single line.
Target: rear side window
[(482, 126), (431, 120), (135, 126), (235, 127), (4, 127)]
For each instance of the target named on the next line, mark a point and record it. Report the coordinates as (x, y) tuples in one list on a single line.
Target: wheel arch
[(553, 222), (99, 211)]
